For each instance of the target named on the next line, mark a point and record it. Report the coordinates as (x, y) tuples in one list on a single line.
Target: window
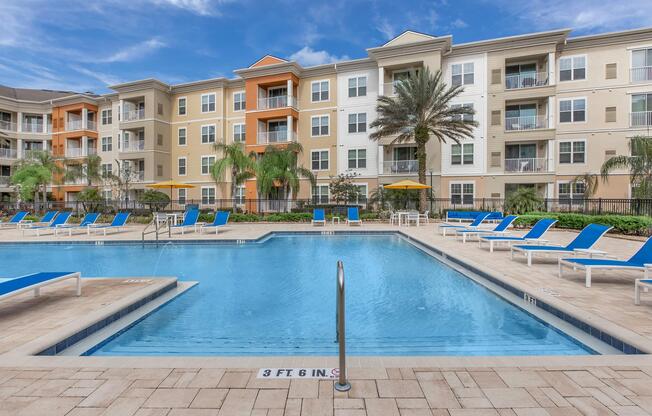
[(160, 109), (239, 132), (319, 91), (357, 158), (206, 163), (642, 65), (319, 159), (462, 193), (238, 101), (107, 144), (182, 106), (571, 192), (107, 194), (362, 193), (357, 87), (462, 74), (182, 166), (320, 194), (107, 169), (462, 154), (240, 194), (159, 170), (465, 117), (572, 151), (208, 134), (572, 111), (207, 103), (641, 110), (182, 136), (358, 123), (319, 125), (107, 117), (208, 196), (181, 195), (572, 68)]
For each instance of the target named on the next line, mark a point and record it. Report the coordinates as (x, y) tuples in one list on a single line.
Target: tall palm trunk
[(234, 187), (421, 138)]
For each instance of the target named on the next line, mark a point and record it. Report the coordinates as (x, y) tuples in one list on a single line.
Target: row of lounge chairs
[(578, 254), (352, 216), (190, 222), (55, 222)]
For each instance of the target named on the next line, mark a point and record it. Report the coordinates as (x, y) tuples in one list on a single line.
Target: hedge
[(625, 224)]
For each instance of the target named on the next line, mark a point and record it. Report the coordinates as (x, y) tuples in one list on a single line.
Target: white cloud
[(386, 28), (459, 24), (200, 7), (134, 51), (106, 79), (306, 56)]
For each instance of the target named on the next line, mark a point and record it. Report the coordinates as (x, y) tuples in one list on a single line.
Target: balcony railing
[(526, 123), (8, 154), (640, 118), (72, 125), (32, 153), (7, 125), (282, 136), (277, 102), (32, 127), (526, 80), (137, 146), (400, 166), (5, 181), (640, 74), (91, 125), (526, 165), (133, 115), (389, 88), (75, 152), (139, 176)]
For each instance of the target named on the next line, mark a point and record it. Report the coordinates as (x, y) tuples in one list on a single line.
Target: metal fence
[(436, 206)]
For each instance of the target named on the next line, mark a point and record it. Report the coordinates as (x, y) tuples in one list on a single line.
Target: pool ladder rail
[(340, 333), (160, 221)]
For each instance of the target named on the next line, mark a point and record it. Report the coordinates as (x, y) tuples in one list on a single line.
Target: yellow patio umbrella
[(406, 184), (170, 185)]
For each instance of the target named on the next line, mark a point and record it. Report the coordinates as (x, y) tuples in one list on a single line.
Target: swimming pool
[(277, 297)]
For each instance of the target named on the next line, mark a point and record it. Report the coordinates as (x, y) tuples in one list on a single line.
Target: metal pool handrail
[(340, 336)]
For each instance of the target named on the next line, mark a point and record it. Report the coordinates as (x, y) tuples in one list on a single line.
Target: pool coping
[(601, 329)]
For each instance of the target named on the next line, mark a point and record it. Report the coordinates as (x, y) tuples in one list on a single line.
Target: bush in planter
[(523, 200)]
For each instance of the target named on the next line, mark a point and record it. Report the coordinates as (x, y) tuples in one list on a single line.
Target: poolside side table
[(333, 218)]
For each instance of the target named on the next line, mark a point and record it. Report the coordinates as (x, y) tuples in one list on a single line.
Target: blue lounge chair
[(353, 216), (60, 220), (641, 260), (88, 220), (501, 228), (532, 236), (117, 224), (221, 218), (584, 241), (473, 226), (46, 219), (15, 221), (189, 221), (35, 282), (318, 216)]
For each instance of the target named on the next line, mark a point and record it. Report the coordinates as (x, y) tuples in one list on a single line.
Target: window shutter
[(495, 194), (608, 154), (495, 159), (495, 118), (495, 76), (610, 114), (159, 170), (160, 139), (611, 71), (160, 109)]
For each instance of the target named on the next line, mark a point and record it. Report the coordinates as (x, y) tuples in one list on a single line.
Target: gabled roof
[(268, 60), (409, 36)]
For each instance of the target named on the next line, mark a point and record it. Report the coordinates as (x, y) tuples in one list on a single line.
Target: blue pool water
[(278, 298)]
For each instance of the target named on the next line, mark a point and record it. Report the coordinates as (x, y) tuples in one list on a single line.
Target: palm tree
[(278, 168), (639, 164), (91, 171), (590, 182), (235, 159), (420, 110), (34, 174)]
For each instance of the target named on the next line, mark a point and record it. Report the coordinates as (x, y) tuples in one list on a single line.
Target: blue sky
[(85, 45)]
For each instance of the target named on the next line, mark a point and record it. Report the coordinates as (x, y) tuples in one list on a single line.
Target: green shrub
[(289, 217), (244, 218), (625, 224), (369, 216), (523, 200)]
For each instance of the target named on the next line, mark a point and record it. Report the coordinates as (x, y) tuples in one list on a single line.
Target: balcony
[(395, 167), (136, 146), (32, 128), (389, 88), (76, 181), (133, 115), (526, 80), (640, 119), (7, 125), (526, 123), (5, 181), (73, 125), (79, 152), (8, 154), (641, 74), (281, 101), (526, 165), (282, 136), (139, 176)]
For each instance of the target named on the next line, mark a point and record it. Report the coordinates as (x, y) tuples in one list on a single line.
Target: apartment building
[(550, 107)]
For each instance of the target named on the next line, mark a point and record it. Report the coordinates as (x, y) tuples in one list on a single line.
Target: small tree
[(90, 171), (639, 164), (33, 175), (523, 200), (155, 200), (342, 187), (90, 199), (590, 182)]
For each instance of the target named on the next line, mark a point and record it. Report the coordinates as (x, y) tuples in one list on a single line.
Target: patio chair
[(532, 236), (318, 216), (46, 219), (425, 217), (220, 220), (583, 242), (35, 282), (61, 219), (88, 220), (413, 216), (501, 228), (641, 260), (189, 221), (353, 216), (15, 221), (118, 223), (474, 225)]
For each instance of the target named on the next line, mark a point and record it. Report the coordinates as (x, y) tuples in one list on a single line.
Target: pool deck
[(173, 386)]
